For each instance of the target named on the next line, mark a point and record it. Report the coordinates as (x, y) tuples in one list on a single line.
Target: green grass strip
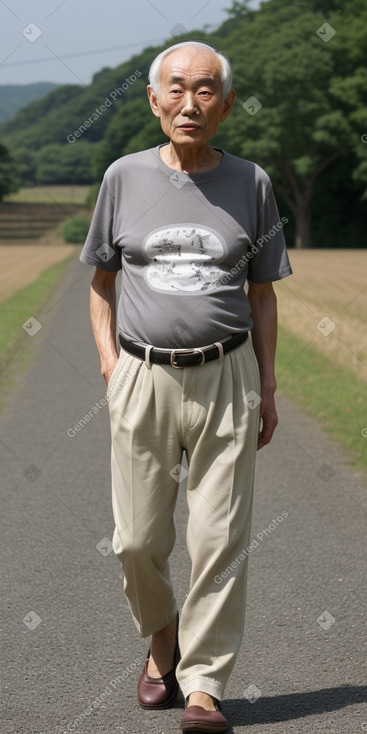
[(330, 393), (15, 345)]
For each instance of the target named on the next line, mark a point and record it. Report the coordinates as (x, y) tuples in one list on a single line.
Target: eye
[(205, 92)]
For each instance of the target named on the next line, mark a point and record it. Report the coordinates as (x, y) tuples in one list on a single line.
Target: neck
[(190, 160)]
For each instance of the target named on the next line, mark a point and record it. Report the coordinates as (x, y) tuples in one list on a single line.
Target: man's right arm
[(103, 318)]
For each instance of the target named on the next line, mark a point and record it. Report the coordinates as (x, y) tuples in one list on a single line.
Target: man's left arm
[(263, 304)]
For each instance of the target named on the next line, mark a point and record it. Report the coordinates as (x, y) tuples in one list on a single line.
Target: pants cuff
[(201, 683)]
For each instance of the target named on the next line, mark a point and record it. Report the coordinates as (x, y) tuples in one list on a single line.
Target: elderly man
[(187, 224)]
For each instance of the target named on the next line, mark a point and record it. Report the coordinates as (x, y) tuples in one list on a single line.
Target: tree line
[(300, 76)]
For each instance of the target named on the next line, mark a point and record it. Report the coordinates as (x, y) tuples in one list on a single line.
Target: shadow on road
[(271, 709)]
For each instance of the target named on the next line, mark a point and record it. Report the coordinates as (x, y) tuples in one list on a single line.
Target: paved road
[(70, 652)]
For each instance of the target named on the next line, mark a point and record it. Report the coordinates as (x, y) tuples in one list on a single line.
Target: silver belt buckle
[(188, 351)]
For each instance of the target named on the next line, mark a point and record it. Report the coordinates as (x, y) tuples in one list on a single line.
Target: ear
[(228, 104), (153, 100)]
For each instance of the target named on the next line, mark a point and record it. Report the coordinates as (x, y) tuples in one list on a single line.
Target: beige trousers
[(156, 412)]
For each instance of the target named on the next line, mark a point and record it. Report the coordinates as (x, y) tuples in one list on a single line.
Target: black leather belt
[(184, 357)]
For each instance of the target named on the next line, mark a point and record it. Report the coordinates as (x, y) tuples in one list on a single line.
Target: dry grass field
[(332, 284), (50, 195), (30, 233), (21, 265)]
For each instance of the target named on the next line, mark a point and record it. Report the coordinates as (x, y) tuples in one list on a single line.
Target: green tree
[(239, 9), (76, 229), (124, 124), (77, 162), (65, 164), (311, 92), (25, 163), (9, 183)]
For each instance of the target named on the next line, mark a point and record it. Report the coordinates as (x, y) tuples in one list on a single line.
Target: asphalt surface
[(71, 655)]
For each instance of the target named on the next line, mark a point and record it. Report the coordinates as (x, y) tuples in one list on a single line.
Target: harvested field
[(23, 264), (30, 239), (51, 195), (27, 222), (332, 284)]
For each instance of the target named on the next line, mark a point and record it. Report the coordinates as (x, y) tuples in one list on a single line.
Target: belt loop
[(221, 351), (148, 350)]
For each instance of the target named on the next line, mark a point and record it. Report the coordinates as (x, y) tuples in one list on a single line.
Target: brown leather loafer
[(196, 718), (159, 693)]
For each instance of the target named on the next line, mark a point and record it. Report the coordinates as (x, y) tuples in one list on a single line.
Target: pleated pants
[(212, 413)]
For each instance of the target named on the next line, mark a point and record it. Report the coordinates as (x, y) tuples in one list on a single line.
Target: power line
[(84, 53)]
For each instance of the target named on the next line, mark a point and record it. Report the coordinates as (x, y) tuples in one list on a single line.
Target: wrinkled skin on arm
[(103, 318), (264, 338)]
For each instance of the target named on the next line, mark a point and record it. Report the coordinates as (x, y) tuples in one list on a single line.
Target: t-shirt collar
[(191, 177)]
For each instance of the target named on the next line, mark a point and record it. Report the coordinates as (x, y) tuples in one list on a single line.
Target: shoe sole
[(200, 726), (158, 707), (195, 726)]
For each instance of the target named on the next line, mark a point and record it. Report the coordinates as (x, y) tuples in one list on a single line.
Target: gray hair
[(226, 69)]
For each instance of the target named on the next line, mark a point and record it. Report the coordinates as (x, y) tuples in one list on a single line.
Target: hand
[(269, 417), (108, 368)]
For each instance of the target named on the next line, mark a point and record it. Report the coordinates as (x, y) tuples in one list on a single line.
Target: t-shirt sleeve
[(99, 248), (270, 259)]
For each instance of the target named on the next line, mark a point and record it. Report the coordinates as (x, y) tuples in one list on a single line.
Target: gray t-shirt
[(186, 245)]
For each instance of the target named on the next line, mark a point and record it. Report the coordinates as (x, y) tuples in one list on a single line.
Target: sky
[(67, 41)]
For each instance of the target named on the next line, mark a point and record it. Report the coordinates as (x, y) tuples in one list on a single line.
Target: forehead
[(191, 62)]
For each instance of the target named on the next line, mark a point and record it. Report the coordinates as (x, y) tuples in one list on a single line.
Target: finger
[(266, 434)]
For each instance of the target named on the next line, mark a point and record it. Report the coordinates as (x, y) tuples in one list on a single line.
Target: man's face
[(190, 101)]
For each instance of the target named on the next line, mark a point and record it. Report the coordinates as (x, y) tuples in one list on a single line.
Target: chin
[(187, 138)]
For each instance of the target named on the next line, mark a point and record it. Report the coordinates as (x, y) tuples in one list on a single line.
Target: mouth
[(189, 126)]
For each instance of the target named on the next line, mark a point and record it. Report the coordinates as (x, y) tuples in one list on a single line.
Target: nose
[(189, 104)]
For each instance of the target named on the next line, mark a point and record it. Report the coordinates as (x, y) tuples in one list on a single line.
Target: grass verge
[(16, 347), (50, 194), (330, 393)]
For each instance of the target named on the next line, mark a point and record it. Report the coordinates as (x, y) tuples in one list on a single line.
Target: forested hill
[(15, 96), (300, 72)]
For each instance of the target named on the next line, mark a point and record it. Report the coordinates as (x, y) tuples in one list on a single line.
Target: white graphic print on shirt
[(183, 258)]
